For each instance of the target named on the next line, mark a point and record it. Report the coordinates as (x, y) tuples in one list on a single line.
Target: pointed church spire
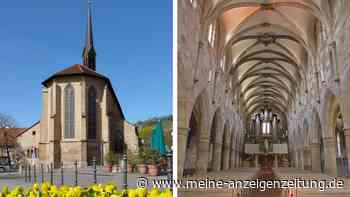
[(89, 53)]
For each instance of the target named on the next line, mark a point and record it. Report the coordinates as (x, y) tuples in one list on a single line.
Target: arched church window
[(119, 146), (211, 34), (69, 112), (92, 113), (210, 75), (222, 63), (193, 3), (334, 7), (342, 162)]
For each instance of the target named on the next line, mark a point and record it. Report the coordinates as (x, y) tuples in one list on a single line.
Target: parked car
[(4, 164)]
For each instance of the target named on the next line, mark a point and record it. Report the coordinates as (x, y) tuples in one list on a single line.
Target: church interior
[(264, 84)]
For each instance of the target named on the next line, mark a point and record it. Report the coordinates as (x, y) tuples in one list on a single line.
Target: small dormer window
[(33, 132)]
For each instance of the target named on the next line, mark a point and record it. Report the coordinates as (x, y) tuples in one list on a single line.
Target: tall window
[(193, 3), (69, 112), (92, 115), (211, 34), (222, 63), (119, 146)]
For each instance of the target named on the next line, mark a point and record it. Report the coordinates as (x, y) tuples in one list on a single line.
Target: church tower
[(89, 53), (81, 117)]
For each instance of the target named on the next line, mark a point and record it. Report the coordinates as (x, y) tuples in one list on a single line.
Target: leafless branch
[(7, 121)]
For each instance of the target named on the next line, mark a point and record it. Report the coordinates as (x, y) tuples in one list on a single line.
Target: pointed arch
[(69, 109), (92, 113)]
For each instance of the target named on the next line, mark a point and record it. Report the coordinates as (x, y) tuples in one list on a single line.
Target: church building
[(81, 116)]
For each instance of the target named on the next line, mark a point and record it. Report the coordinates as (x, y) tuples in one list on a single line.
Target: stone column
[(83, 130), (296, 158), (256, 160), (104, 120), (233, 158), (291, 158), (226, 158), (307, 158), (301, 159), (315, 157), (275, 161), (217, 156), (210, 158), (239, 160), (203, 156), (236, 159), (182, 134), (330, 156)]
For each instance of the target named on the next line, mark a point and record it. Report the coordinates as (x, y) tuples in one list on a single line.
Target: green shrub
[(111, 158), (151, 156)]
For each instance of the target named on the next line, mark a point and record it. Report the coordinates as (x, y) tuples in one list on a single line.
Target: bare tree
[(6, 121)]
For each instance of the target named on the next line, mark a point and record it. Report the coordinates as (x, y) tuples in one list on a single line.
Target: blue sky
[(133, 40)]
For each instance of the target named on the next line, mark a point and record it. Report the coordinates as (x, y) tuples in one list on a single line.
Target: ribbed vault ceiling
[(269, 45)]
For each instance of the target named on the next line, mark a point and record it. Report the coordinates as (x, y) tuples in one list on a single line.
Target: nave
[(263, 83)]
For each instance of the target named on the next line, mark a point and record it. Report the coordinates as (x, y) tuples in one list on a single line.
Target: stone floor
[(237, 173)]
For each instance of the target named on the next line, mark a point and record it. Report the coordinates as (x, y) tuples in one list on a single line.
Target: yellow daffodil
[(154, 192), (167, 193), (132, 193), (141, 192), (5, 190), (95, 190), (110, 188)]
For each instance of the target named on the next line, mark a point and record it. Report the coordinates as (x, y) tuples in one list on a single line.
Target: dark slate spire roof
[(89, 53)]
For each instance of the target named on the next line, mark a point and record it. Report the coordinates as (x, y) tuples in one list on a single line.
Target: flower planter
[(142, 168), (115, 168), (108, 167), (153, 169), (129, 167)]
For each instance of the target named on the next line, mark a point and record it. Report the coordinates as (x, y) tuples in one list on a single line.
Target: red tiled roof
[(76, 69), (26, 129), (8, 135)]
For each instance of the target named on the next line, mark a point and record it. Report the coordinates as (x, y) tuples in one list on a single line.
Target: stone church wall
[(54, 147), (130, 137), (201, 80)]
